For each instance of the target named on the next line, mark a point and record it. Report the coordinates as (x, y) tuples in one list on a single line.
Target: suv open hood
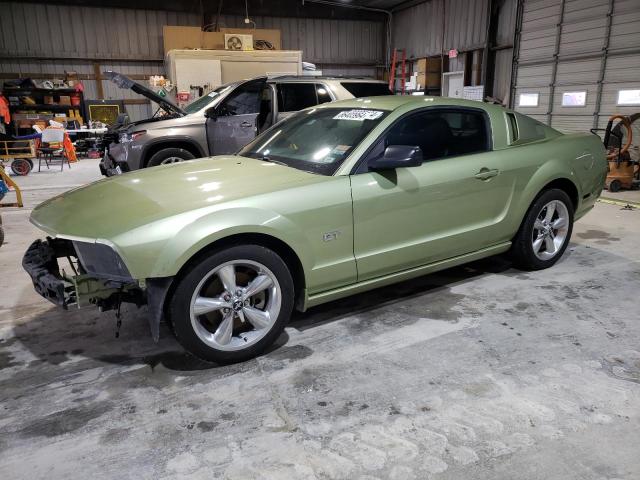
[(123, 81)]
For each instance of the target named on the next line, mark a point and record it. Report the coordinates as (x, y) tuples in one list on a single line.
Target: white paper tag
[(358, 115)]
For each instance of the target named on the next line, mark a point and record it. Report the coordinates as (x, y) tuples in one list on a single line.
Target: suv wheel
[(233, 304), (545, 231), (169, 155)]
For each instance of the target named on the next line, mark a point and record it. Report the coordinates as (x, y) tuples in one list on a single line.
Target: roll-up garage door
[(577, 61)]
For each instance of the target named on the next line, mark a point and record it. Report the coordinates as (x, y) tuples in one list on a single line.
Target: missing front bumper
[(81, 289), (41, 263)]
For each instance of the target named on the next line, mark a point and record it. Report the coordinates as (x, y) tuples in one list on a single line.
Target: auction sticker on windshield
[(358, 115)]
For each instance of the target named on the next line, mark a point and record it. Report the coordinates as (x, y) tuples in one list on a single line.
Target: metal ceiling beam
[(269, 8)]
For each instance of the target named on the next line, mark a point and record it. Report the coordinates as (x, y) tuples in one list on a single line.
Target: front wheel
[(169, 155), (232, 305), (545, 232)]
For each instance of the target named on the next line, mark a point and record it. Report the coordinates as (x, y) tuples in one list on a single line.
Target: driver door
[(454, 203), (233, 123)]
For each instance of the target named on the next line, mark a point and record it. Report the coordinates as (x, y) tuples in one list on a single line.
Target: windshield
[(366, 89), (205, 100), (316, 140)]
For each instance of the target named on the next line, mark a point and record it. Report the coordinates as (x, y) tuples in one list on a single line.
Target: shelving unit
[(46, 106)]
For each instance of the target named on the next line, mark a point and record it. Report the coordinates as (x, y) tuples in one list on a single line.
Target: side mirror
[(398, 156), (211, 113)]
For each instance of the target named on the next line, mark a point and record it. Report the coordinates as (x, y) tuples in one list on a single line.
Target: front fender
[(205, 230)]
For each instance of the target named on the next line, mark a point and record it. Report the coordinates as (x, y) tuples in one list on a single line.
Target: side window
[(439, 134), (442, 133), (244, 100), (296, 96), (323, 93)]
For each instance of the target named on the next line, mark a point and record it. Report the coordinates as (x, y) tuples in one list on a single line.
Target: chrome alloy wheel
[(169, 160), (235, 305), (550, 230)]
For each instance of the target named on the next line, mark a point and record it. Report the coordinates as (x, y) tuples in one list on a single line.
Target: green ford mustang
[(336, 200)]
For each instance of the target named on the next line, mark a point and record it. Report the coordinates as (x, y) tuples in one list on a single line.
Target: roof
[(310, 78), (392, 102)]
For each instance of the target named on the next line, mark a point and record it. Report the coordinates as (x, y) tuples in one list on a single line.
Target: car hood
[(123, 81), (108, 208)]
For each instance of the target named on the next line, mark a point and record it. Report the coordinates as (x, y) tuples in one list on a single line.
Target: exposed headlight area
[(126, 137), (99, 278), (101, 261)]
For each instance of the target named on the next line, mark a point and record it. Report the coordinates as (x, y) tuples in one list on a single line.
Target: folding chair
[(51, 146)]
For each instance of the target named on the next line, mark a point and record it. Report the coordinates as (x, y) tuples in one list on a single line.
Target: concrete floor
[(481, 372)]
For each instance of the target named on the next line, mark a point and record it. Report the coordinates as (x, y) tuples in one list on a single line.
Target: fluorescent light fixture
[(629, 97), (574, 99), (528, 99)]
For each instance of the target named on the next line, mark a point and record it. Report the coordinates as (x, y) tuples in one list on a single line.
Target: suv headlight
[(126, 137), (102, 261)]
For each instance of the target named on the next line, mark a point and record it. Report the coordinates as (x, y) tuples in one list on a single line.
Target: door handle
[(486, 174), (246, 125)]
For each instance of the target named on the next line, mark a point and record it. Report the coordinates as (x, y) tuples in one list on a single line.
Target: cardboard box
[(429, 65), (178, 38), (60, 117), (429, 79), (48, 99), (65, 100), (193, 37)]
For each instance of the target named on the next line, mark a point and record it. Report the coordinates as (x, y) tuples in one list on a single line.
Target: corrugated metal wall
[(419, 28), (42, 38), (504, 56), (578, 45)]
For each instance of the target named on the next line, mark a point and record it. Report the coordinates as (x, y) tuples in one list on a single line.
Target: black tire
[(179, 305), (522, 251), (161, 156), (21, 166)]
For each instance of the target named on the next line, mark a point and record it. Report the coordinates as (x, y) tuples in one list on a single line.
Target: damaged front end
[(97, 277)]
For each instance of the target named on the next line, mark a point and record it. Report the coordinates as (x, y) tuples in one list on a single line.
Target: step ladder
[(392, 70)]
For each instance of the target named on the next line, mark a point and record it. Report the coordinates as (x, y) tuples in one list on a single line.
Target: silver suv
[(220, 122)]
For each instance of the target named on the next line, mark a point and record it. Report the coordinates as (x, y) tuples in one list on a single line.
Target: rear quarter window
[(530, 130)]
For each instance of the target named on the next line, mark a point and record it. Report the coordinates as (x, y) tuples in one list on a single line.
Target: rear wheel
[(169, 155), (545, 232), (233, 304)]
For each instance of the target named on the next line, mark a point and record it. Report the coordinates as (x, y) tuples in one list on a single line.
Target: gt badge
[(327, 237)]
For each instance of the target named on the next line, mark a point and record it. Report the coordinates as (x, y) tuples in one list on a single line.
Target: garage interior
[(480, 371)]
